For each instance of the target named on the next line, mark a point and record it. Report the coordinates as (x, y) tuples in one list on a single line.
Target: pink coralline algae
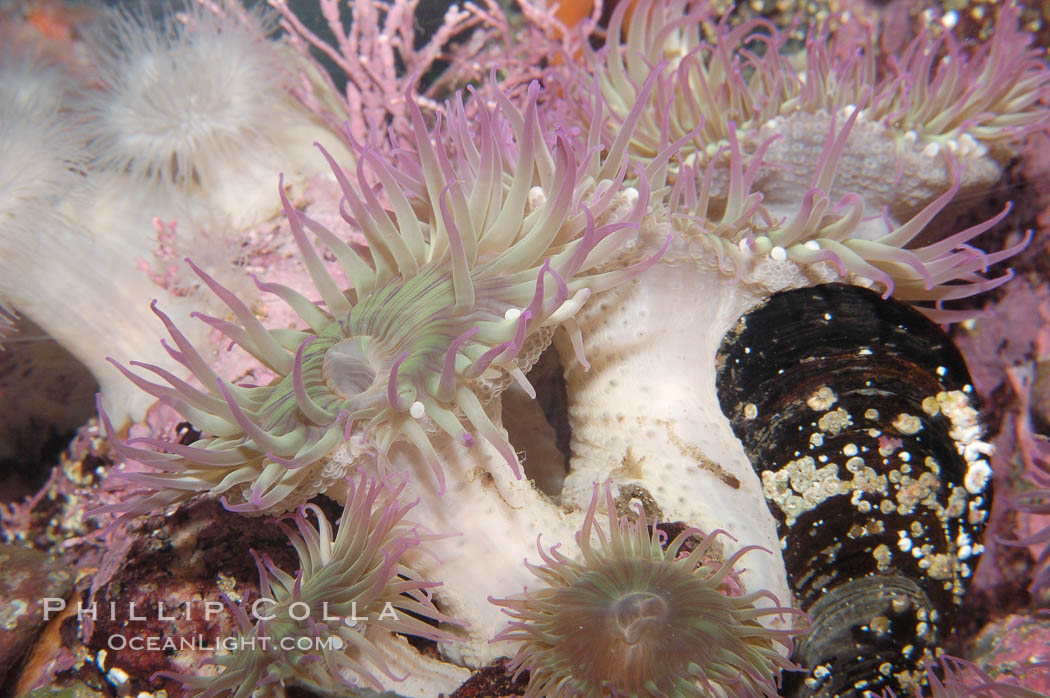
[(1031, 498), (1007, 337), (454, 205), (1015, 653)]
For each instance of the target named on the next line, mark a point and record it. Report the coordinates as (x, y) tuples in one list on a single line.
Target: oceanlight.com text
[(156, 643)]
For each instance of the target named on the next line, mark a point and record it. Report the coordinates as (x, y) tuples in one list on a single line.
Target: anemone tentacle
[(835, 238), (936, 94)]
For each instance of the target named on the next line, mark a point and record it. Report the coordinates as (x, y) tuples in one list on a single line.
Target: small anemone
[(321, 626), (481, 249), (643, 617), (163, 112)]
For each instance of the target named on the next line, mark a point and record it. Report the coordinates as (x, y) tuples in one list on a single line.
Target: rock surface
[(27, 578)]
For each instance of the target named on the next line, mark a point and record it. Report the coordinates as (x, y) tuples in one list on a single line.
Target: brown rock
[(493, 681), (27, 578)]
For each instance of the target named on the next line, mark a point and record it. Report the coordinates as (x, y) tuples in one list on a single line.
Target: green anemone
[(323, 626), (712, 76), (479, 246), (633, 617), (822, 160)]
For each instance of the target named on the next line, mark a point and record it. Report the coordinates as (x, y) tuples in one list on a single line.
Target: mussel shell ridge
[(856, 412)]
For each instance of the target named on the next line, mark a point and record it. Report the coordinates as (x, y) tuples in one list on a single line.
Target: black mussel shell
[(856, 412)]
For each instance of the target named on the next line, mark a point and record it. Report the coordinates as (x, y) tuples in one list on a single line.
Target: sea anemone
[(640, 616), (823, 239), (34, 170), (871, 158), (190, 107), (75, 216), (41, 154), (935, 95), (491, 223), (480, 257), (331, 623), (74, 285)]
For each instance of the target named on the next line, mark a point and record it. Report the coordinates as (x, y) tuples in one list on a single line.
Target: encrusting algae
[(630, 204)]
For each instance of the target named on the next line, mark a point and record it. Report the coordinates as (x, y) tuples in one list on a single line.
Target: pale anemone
[(72, 281), (487, 246), (183, 118), (191, 112), (330, 624), (637, 615), (39, 157)]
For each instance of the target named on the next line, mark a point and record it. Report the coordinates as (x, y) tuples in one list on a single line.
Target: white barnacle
[(907, 424), (822, 399), (977, 475)]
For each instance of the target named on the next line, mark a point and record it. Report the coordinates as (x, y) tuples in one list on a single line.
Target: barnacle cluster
[(630, 207)]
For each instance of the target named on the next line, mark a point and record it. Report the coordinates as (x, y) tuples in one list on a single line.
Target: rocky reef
[(562, 351)]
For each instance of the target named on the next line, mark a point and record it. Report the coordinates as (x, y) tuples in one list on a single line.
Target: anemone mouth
[(347, 370), (640, 616), (639, 610), (624, 606)]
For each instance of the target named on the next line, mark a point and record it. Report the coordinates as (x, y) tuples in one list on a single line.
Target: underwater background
[(659, 348)]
